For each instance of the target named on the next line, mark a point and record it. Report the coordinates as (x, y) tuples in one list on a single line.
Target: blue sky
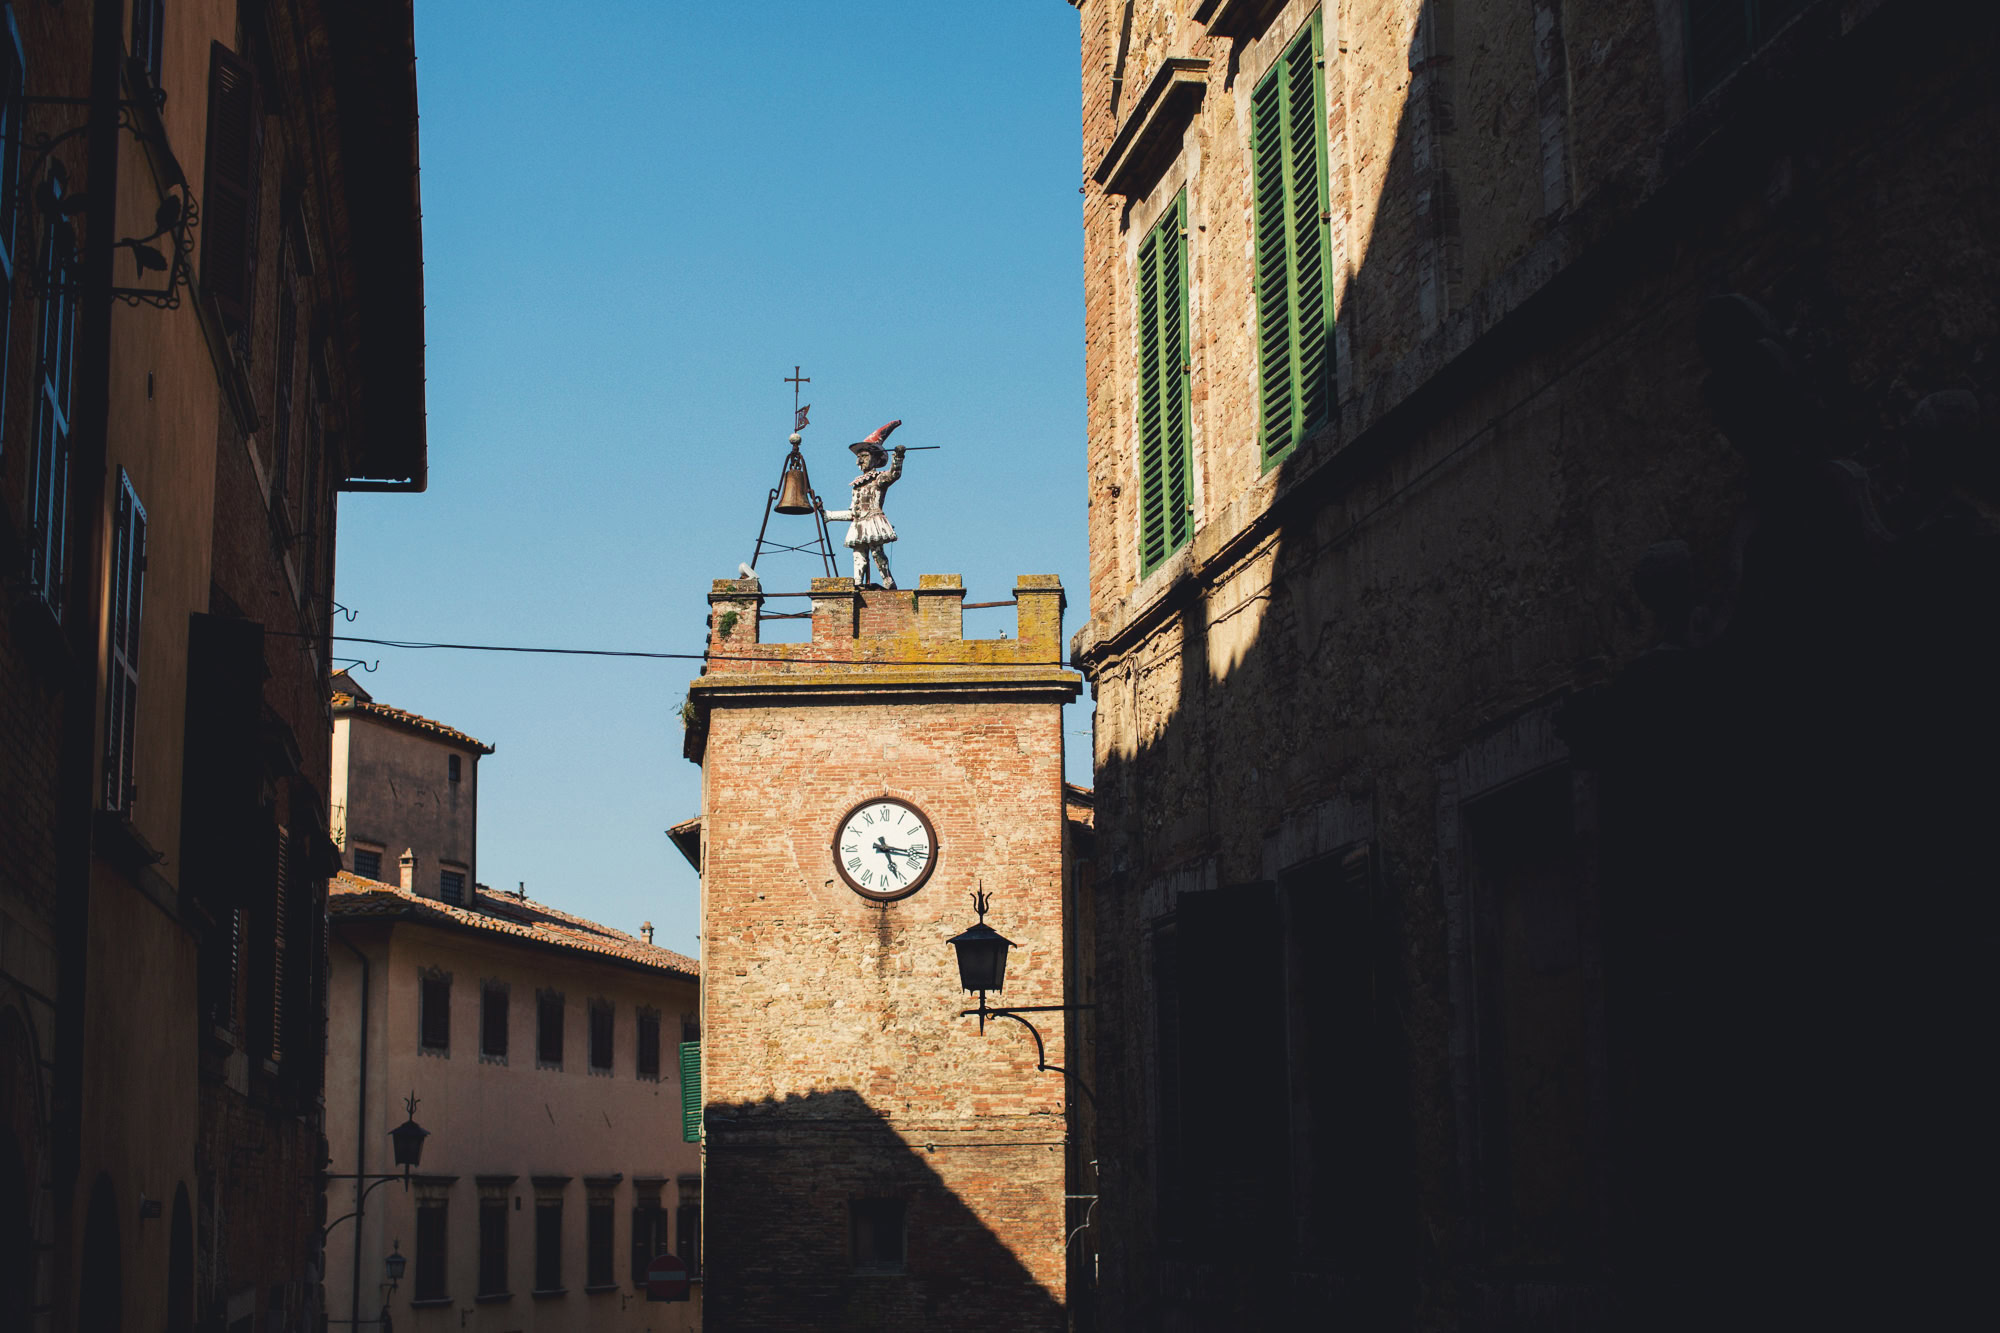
[(636, 221)]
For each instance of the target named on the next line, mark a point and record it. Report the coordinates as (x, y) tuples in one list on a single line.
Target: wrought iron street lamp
[(406, 1142), (982, 967)]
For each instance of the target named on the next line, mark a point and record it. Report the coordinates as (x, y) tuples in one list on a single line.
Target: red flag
[(800, 423)]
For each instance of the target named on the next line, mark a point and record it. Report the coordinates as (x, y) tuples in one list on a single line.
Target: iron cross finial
[(795, 379)]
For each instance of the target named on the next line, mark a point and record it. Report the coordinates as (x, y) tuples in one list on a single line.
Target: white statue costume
[(869, 531)]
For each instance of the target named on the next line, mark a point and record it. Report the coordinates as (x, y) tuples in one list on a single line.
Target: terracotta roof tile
[(348, 703), (351, 897)]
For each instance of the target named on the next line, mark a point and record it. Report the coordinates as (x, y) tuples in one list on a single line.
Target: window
[(1534, 1014), (121, 684), (13, 69), (281, 412), (1721, 34), (451, 767), (1294, 296), (493, 998), (368, 862), (691, 1092), (55, 344), (600, 1036), (434, 1010), (549, 1029), (493, 1240), (649, 1231), (451, 886), (876, 1229), (1343, 972), (648, 1061), (1165, 407), (228, 210), (148, 19), (687, 1222), (548, 1245), (597, 1244), (430, 1256)]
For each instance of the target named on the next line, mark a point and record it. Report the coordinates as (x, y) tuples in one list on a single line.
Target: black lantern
[(408, 1137), (395, 1263), (982, 952)]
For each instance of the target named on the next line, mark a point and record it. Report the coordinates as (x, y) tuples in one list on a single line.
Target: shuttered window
[(691, 1092), (648, 1062), (493, 998), (434, 1011), (1294, 287), (549, 1029), (600, 1035), (548, 1245), (121, 684), (281, 891), (1721, 34), (228, 210), (687, 1226), (597, 1244), (432, 1274), (1165, 407), (55, 344), (493, 1246), (13, 73)]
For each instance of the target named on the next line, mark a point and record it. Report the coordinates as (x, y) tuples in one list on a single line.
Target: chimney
[(646, 929), (407, 863)]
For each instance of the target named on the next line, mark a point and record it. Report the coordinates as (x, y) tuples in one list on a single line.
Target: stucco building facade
[(872, 1159), (544, 1051), (211, 252), (1542, 523)]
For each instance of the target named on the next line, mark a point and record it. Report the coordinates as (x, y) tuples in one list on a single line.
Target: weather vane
[(869, 532)]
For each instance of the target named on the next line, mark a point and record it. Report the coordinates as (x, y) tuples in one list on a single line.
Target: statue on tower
[(870, 532)]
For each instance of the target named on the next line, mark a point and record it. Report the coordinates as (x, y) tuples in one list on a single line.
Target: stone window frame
[(487, 987), (601, 1192), (543, 996), (492, 1190), (1180, 177), (592, 1007), (357, 847), (426, 977), (640, 1017), (549, 1194), (1520, 750), (433, 1193)]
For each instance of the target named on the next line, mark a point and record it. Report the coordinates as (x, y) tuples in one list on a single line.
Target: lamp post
[(406, 1143), (982, 967)]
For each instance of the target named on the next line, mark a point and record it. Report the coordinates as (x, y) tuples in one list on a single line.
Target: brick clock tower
[(871, 1160)]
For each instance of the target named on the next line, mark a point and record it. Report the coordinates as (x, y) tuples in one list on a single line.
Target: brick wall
[(835, 1065)]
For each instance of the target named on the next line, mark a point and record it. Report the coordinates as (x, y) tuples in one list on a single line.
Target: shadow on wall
[(820, 1216), (1680, 1032)]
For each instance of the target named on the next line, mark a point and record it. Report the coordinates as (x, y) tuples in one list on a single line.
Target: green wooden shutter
[(1164, 396), (1274, 289), (1294, 308), (1152, 459), (1176, 407), (691, 1092), (1305, 100)]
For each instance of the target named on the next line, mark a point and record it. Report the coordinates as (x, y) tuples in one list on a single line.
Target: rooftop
[(352, 898), (359, 703)]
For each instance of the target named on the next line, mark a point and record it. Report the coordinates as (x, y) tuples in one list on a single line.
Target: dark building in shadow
[(837, 1220), (1544, 523), (211, 322)]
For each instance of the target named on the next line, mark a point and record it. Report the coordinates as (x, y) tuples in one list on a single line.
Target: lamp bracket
[(1041, 1052)]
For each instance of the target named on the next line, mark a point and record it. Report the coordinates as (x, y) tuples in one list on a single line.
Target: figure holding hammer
[(870, 531)]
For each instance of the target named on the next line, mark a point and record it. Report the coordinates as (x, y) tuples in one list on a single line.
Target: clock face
[(884, 848)]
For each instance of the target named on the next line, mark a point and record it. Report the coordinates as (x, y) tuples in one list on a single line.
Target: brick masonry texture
[(1527, 212), (835, 1064)]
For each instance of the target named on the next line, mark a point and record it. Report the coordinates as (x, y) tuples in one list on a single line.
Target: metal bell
[(794, 495)]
